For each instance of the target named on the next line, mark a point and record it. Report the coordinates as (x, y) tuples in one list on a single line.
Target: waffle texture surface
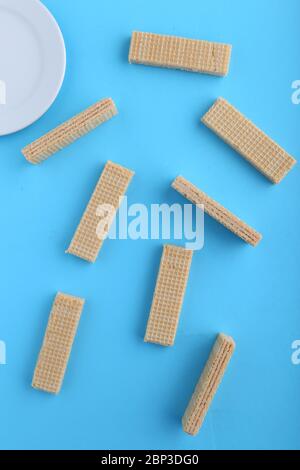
[(54, 355), (208, 384), (71, 130), (100, 212), (192, 55), (168, 296), (217, 211), (248, 140)]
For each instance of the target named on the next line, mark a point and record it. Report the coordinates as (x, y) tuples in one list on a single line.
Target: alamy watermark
[(158, 221), (296, 92), (2, 353), (295, 358), (2, 92)]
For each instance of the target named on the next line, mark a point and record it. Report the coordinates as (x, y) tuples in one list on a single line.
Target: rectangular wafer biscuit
[(218, 212), (54, 355), (248, 140), (208, 384), (100, 212), (180, 53), (71, 130), (168, 296)]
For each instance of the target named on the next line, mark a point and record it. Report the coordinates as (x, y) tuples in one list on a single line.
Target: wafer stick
[(218, 212), (168, 296), (248, 140), (67, 133), (208, 384), (179, 53), (101, 210), (54, 356)]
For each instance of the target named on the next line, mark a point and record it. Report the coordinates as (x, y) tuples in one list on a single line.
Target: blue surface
[(119, 392)]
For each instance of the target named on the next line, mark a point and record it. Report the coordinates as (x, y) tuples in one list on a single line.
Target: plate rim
[(21, 8)]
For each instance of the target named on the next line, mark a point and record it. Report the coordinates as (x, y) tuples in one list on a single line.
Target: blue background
[(119, 392)]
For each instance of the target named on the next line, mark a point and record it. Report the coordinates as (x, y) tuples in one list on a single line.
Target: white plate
[(32, 63)]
